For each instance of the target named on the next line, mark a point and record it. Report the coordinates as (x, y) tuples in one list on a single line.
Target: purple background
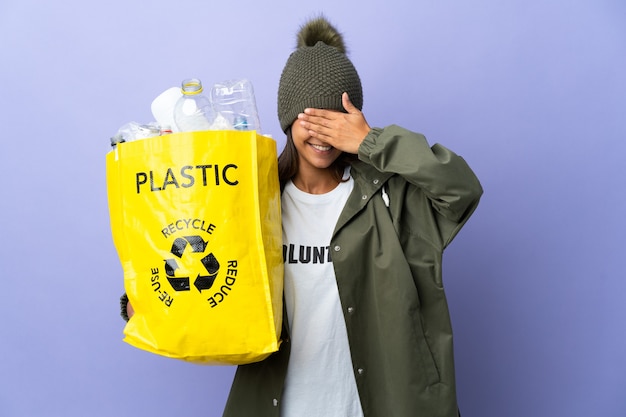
[(532, 94)]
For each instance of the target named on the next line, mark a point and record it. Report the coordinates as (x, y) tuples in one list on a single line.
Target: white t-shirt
[(320, 380)]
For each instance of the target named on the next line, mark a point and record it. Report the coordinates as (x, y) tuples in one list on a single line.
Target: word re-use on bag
[(195, 219)]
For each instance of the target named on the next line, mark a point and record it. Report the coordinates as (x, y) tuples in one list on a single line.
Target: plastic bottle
[(235, 101), (163, 107), (165, 130), (193, 110), (135, 131), (241, 123)]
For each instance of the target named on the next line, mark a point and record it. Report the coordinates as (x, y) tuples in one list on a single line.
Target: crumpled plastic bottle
[(135, 131), (234, 100)]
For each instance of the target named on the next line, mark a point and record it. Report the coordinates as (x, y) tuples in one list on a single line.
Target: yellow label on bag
[(195, 219)]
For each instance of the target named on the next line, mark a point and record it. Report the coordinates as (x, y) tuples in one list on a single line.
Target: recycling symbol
[(188, 246)]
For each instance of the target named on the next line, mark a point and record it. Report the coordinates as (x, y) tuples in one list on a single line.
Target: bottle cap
[(191, 87)]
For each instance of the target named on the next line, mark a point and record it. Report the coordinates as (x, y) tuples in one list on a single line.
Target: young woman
[(367, 214)]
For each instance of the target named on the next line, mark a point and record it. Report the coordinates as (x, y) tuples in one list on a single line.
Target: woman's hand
[(130, 310), (343, 131), (126, 310)]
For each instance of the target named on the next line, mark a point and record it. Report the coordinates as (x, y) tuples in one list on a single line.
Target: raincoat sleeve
[(445, 177)]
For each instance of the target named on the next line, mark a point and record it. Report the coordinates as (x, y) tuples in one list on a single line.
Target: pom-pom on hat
[(317, 73)]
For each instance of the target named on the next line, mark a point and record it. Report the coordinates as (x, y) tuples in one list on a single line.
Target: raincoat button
[(364, 197), (350, 310), (375, 181), (275, 402), (360, 371), (337, 248)]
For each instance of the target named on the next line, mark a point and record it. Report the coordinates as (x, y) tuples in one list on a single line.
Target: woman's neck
[(316, 181)]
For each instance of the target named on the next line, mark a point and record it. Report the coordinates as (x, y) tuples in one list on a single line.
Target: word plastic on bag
[(184, 177)]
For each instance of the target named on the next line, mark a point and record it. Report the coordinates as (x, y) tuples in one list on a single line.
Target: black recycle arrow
[(177, 283), (210, 263), (205, 282), (180, 244)]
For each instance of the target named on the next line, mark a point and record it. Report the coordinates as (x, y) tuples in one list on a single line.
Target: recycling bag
[(195, 219)]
